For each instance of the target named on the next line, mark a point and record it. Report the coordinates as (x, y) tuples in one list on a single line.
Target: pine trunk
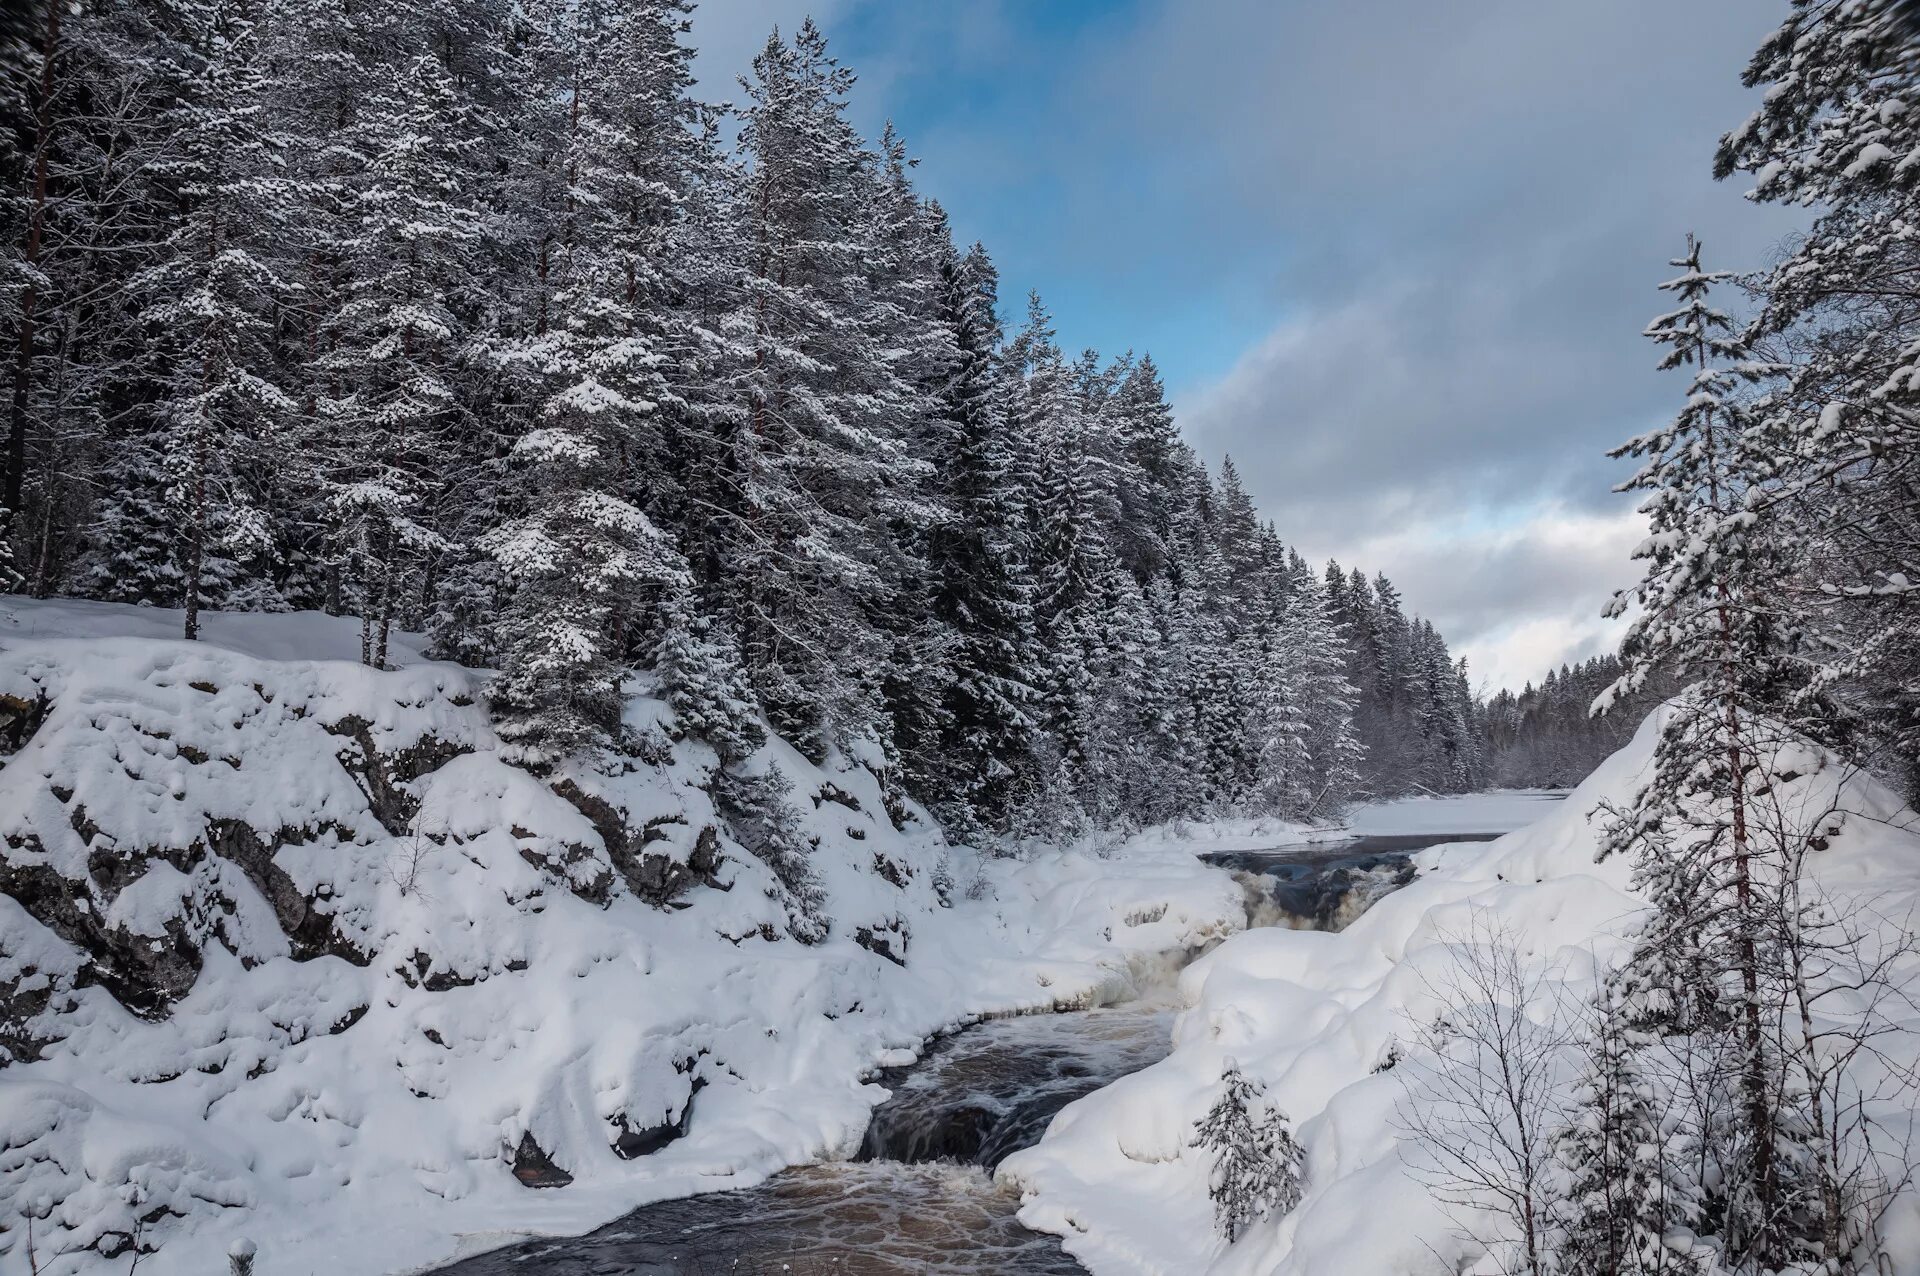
[(17, 424), (197, 542)]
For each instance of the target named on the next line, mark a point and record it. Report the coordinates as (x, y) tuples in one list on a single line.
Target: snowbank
[(287, 952), (1318, 1018)]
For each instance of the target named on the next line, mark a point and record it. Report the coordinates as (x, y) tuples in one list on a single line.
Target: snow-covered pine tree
[(910, 243), (979, 589), (1162, 467), (1316, 657), (1161, 783), (212, 297), (1067, 554), (82, 215), (580, 557), (1705, 611), (10, 577), (1243, 559), (392, 332), (824, 463), (1257, 1165), (1838, 448), (1118, 752), (1441, 712), (698, 665), (1274, 750), (757, 810)]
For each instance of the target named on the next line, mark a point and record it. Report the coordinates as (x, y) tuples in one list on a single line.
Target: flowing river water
[(921, 1198)]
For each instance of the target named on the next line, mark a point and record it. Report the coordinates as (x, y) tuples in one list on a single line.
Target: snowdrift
[(288, 952), (1323, 1019)]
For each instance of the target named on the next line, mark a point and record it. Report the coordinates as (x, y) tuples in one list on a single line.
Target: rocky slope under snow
[(289, 952)]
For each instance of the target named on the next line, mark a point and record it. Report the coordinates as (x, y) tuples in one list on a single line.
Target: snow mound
[(1321, 1019), (289, 953)]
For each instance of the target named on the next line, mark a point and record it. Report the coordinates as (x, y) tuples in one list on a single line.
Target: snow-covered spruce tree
[(1067, 553), (1449, 758), (979, 591), (698, 665), (10, 577), (1706, 610), (825, 466), (1380, 667), (912, 241), (389, 342), (581, 556), (1161, 783), (1625, 1189), (1162, 463), (81, 215), (1274, 749), (759, 813), (1839, 448), (1316, 657), (1257, 1166), (213, 293)]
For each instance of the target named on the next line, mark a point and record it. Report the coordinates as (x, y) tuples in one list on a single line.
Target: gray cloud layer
[(1476, 202)]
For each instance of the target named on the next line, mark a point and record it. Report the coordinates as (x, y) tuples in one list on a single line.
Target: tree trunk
[(387, 591), (17, 424), (197, 539)]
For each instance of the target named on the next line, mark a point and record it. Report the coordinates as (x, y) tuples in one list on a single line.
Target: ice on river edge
[(349, 1075)]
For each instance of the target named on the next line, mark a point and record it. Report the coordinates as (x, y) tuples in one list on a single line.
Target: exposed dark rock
[(346, 1021), (840, 797), (892, 870), (654, 876), (534, 1168), (20, 718), (595, 885), (310, 932), (606, 821), (415, 974), (382, 774), (18, 1042), (145, 974), (882, 941), (629, 1143)]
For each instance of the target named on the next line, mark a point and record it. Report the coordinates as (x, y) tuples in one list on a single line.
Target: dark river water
[(920, 1200)]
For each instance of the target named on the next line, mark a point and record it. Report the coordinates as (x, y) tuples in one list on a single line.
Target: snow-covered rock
[(289, 952), (1321, 1019)]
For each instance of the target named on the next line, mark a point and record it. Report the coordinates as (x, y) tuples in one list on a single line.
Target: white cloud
[(1515, 591)]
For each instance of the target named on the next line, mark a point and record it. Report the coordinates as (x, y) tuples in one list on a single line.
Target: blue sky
[(990, 99), (1393, 256)]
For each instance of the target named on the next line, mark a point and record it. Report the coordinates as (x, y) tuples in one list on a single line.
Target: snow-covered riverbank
[(1329, 1022), (288, 952)]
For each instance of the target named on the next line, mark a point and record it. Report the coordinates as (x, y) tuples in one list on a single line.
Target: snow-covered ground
[(288, 952), (1320, 1019)]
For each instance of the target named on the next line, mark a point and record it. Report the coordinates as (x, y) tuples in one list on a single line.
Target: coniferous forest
[(468, 318), (705, 515)]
